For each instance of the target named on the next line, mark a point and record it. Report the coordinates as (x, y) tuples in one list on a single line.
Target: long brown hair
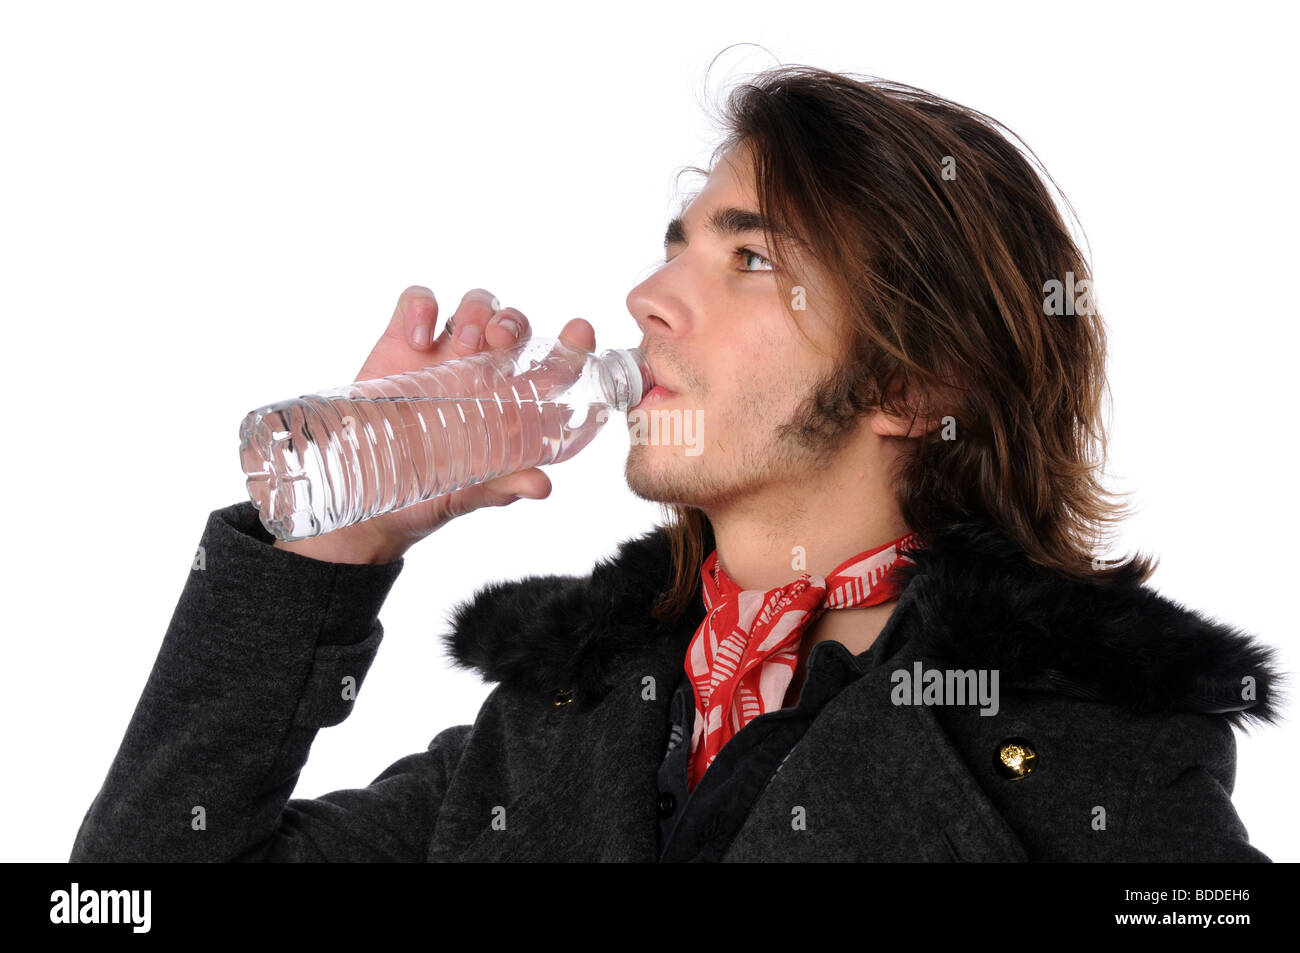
[(940, 239)]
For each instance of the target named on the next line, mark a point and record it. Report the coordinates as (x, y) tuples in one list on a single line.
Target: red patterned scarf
[(744, 654)]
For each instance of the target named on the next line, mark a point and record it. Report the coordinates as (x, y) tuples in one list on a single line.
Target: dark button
[(667, 803), (563, 697), (710, 829), (1015, 759)]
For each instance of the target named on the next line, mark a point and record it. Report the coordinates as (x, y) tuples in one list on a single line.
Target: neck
[(765, 539), (768, 538)]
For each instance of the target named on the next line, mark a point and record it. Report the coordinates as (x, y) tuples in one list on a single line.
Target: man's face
[(717, 331)]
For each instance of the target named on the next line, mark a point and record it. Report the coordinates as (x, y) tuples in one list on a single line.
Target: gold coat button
[(1015, 759), (563, 697)]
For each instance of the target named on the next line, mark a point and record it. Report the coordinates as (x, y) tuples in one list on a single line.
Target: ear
[(891, 425), (927, 413), (921, 420)]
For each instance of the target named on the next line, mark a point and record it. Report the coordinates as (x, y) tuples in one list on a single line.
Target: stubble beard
[(811, 434)]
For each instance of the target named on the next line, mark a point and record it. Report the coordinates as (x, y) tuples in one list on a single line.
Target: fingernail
[(421, 335), (510, 324), (468, 335), (496, 305)]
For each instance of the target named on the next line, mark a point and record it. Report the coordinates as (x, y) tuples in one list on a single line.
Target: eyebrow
[(723, 221)]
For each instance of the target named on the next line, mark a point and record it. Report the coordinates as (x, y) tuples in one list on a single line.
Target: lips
[(655, 394), (660, 380)]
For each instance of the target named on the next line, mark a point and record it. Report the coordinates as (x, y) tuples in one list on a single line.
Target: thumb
[(531, 484), (580, 334)]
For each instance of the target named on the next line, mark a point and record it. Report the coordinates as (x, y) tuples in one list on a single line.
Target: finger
[(464, 332), (579, 333), (530, 484), (415, 306), (508, 326), (414, 317)]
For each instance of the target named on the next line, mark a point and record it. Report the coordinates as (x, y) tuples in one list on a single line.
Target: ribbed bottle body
[(326, 460)]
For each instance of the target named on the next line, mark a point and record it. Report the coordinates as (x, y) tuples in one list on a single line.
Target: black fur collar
[(980, 605)]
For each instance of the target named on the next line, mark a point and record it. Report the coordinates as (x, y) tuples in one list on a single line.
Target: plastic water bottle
[(326, 460)]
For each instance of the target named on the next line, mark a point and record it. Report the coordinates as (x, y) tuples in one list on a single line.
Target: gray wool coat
[(1112, 741)]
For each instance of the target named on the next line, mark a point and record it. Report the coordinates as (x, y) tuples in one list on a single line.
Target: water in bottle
[(326, 460)]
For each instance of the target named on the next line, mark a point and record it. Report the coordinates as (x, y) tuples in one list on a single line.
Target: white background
[(204, 208)]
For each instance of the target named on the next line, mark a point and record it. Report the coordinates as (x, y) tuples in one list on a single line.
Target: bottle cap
[(633, 378)]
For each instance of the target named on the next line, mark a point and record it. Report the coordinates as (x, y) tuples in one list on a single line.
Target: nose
[(656, 306)]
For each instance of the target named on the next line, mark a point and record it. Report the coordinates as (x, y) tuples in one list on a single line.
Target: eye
[(744, 254)]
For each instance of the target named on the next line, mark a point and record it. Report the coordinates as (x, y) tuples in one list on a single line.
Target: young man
[(874, 628)]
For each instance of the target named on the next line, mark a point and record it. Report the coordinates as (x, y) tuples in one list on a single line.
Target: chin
[(662, 477), (650, 476)]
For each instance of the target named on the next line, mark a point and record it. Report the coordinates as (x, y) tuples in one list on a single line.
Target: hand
[(408, 344)]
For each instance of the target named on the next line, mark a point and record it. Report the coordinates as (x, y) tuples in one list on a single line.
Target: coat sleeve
[(391, 820), (1182, 809), (265, 647)]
